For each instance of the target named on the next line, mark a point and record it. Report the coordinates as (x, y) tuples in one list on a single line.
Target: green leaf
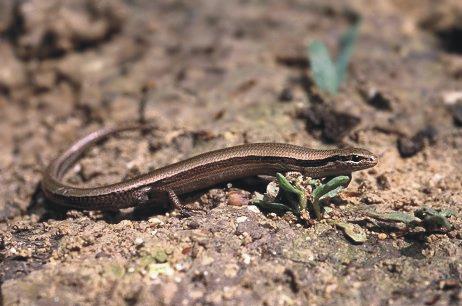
[(331, 188), (434, 222), (346, 48), (328, 190), (434, 219), (322, 67), (447, 213), (395, 217), (329, 75), (332, 193), (266, 201), (274, 207), (286, 185)]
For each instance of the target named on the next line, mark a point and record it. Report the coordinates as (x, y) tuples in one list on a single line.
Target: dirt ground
[(214, 74)]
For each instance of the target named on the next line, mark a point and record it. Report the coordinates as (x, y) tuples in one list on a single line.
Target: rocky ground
[(215, 74)]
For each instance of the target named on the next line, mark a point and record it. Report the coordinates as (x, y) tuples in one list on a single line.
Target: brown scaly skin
[(196, 173)]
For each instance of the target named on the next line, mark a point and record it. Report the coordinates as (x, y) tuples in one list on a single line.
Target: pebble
[(382, 236), (156, 221), (452, 97), (139, 241), (125, 223), (241, 219), (237, 199), (246, 258), (286, 95), (253, 208)]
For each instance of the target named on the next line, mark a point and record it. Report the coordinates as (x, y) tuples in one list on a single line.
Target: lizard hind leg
[(173, 199)]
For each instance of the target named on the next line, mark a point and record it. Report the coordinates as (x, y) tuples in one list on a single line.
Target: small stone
[(328, 123), (408, 147), (241, 219), (207, 260), (139, 241), (180, 266), (452, 97), (236, 198), (370, 199), (436, 179), (382, 182), (272, 190), (231, 270), (382, 236), (246, 258), (253, 208), (156, 221), (193, 224), (379, 100), (195, 294), (125, 223), (286, 95)]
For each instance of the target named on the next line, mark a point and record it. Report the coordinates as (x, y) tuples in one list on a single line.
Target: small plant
[(328, 74), (295, 195), (431, 219)]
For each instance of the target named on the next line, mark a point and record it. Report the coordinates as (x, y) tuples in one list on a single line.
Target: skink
[(196, 173)]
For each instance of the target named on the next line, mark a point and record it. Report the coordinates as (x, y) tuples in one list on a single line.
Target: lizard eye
[(356, 158)]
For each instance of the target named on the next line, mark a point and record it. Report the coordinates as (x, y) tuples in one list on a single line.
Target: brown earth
[(216, 74)]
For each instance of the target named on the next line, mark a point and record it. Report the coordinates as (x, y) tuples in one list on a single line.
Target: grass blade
[(346, 48), (322, 67)]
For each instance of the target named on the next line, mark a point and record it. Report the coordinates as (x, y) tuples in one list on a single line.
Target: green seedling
[(427, 217), (265, 203), (327, 74), (321, 191), (328, 190), (395, 216), (288, 187), (433, 219)]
